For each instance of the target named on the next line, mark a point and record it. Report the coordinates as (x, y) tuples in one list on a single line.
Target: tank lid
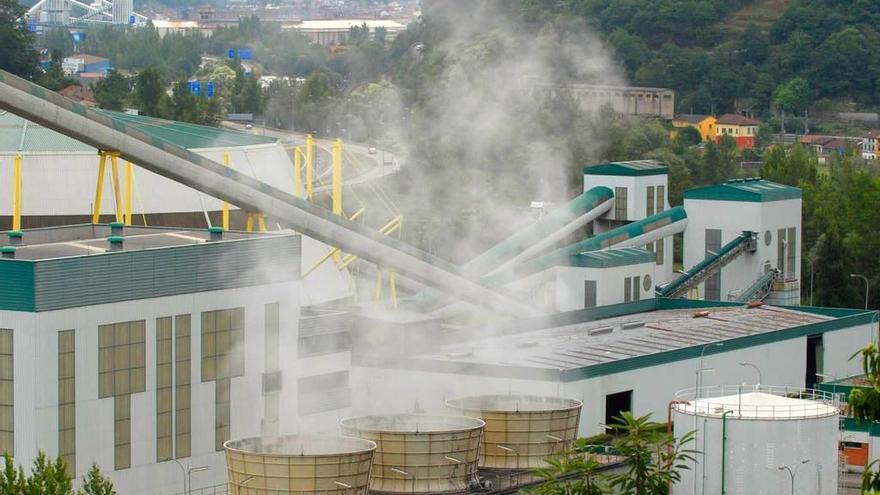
[(412, 423), (513, 403), (301, 445)]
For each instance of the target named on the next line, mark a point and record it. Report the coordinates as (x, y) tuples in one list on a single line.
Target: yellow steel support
[(388, 229), (129, 177), (310, 165), (334, 250), (337, 178), (99, 191), (297, 172), (16, 192), (117, 191), (378, 295), (225, 204), (249, 223), (392, 289), (261, 217)]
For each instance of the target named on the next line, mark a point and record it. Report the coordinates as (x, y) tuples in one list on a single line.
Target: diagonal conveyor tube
[(102, 131)]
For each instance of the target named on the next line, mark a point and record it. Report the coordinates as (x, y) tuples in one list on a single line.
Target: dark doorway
[(616, 404), (814, 360)]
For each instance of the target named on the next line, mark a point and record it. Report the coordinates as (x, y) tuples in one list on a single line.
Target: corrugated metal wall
[(123, 276), (17, 285)]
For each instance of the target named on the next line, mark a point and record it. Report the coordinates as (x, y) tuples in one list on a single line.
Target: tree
[(17, 54), (148, 91), (653, 458), (112, 91), (12, 481), (579, 471), (48, 477), (688, 136), (792, 96), (94, 483)]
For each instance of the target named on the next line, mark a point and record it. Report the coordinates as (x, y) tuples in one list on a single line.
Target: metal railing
[(714, 401), (221, 489)]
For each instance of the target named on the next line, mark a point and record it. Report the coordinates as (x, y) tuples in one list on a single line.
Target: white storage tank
[(758, 440)]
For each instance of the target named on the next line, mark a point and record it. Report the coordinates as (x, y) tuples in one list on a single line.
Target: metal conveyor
[(746, 241)]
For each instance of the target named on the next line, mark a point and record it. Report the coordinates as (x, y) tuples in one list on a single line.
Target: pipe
[(128, 181), (117, 191), (103, 131), (99, 187), (225, 221), (310, 165), (16, 192), (723, 449)]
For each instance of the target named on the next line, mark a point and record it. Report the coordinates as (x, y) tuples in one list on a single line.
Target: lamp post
[(793, 472), (867, 285), (701, 369), (753, 365)]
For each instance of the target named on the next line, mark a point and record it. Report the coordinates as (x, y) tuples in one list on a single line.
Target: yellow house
[(703, 123)]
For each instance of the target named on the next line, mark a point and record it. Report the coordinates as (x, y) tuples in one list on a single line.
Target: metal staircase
[(761, 288), (747, 241)]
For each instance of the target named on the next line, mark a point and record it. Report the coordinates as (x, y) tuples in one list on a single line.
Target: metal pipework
[(100, 130)]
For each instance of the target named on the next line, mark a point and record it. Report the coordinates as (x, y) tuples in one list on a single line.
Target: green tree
[(148, 91), (653, 458), (688, 136), (12, 481), (112, 91), (792, 96), (17, 54), (795, 168), (577, 469), (48, 477), (95, 483)]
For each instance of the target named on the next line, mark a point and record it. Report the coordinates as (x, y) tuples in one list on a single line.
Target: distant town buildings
[(77, 64), (626, 100), (742, 129), (705, 124), (869, 144), (336, 31)]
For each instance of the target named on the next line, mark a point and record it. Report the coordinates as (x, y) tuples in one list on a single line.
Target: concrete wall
[(733, 217), (64, 183)]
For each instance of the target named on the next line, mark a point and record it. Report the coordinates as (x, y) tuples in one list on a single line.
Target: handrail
[(709, 265)]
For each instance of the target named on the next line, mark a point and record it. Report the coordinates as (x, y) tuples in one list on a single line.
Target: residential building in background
[(705, 124), (869, 144), (742, 129), (84, 63)]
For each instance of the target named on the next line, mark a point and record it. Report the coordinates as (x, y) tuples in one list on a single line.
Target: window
[(620, 203), (121, 372), (67, 400), (589, 293), (661, 198), (649, 210), (791, 247), (780, 249), (182, 386), (627, 290), (713, 282), (636, 292), (7, 424), (658, 249), (222, 359), (164, 398)]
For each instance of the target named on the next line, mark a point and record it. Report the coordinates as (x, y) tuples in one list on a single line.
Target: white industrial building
[(717, 214), (135, 349)]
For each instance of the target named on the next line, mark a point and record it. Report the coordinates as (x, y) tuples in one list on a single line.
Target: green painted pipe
[(724, 449)]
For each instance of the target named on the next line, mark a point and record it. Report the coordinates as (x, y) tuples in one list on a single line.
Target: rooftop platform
[(611, 339), (91, 240)]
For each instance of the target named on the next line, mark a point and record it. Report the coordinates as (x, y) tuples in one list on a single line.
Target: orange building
[(703, 123), (743, 129)]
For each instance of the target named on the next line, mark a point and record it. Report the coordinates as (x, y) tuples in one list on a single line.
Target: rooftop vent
[(115, 242), (116, 228), (15, 237), (215, 234), (7, 251), (600, 330), (629, 325)]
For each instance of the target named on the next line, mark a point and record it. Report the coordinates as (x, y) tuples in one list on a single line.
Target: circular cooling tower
[(299, 464), (420, 453), (522, 431)]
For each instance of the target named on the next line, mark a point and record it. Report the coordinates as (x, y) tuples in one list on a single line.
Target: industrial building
[(601, 325), (336, 31)]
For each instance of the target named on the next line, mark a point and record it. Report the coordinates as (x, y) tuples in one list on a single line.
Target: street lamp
[(867, 285), (793, 472), (699, 381), (753, 365)]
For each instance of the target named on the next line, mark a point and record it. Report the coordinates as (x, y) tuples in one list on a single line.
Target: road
[(359, 165)]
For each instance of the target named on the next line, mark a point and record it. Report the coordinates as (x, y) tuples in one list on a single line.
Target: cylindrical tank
[(299, 464), (758, 440), (420, 453), (522, 431)]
